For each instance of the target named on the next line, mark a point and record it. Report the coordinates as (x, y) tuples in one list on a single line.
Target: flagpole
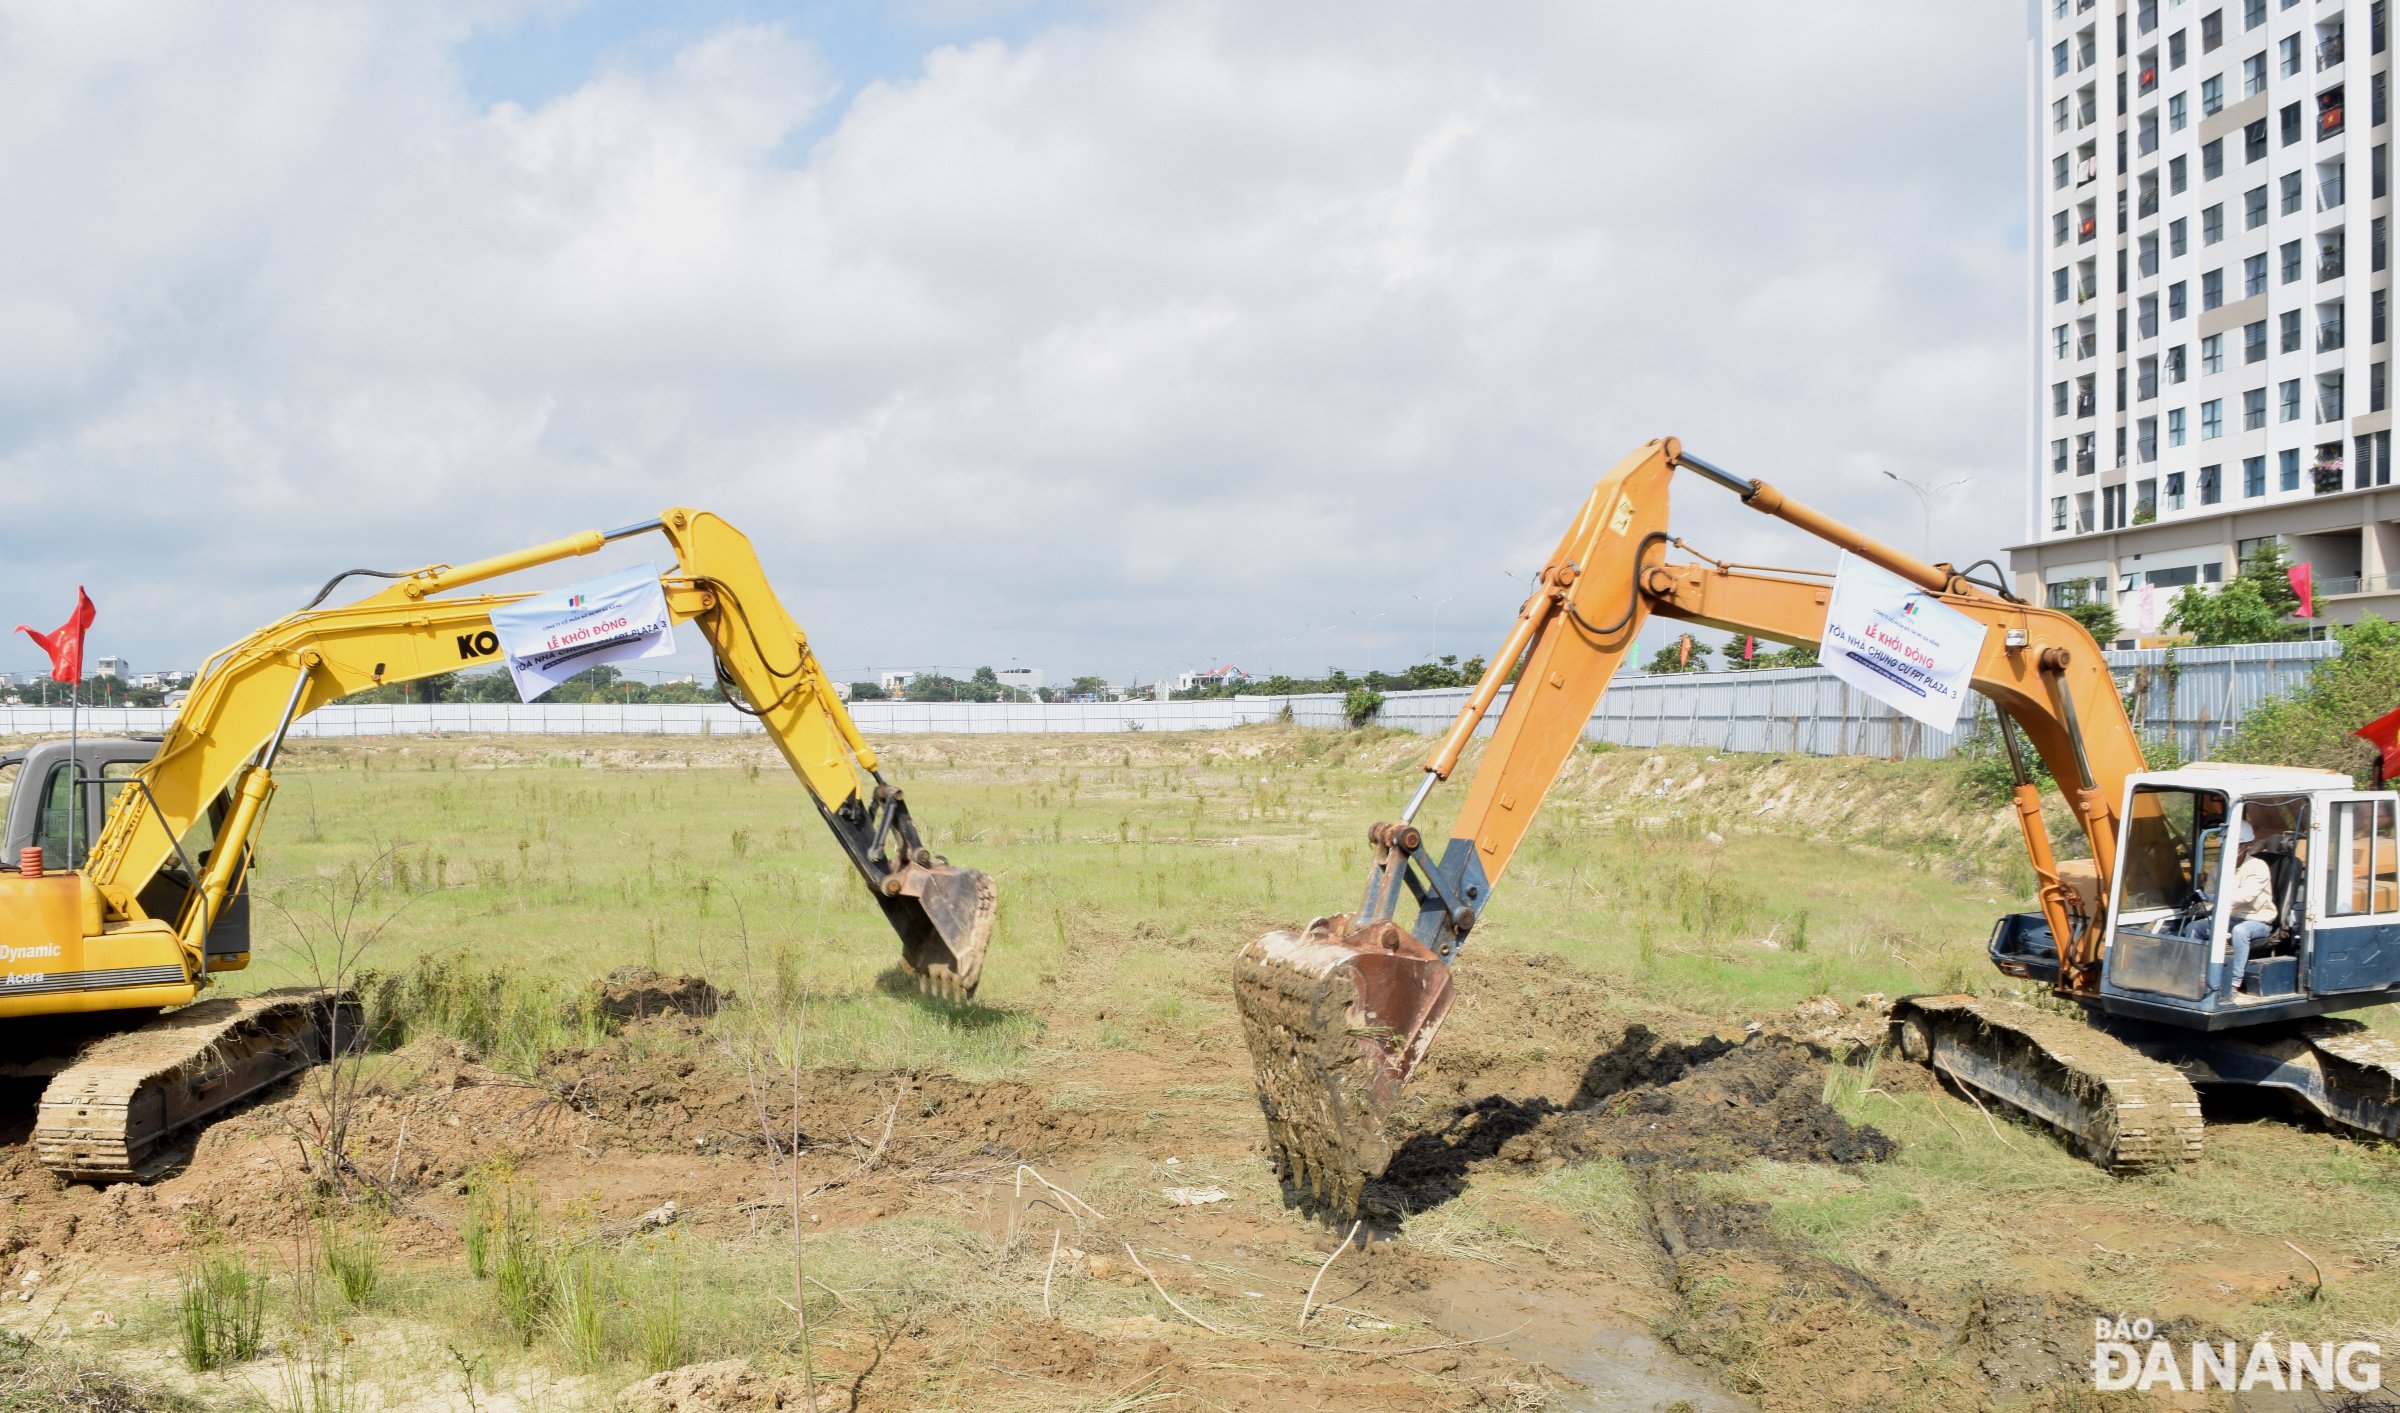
[(74, 773)]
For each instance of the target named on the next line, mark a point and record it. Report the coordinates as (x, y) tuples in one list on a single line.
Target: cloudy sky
[(1103, 338)]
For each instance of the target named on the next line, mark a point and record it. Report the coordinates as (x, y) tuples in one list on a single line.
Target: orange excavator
[(2140, 935)]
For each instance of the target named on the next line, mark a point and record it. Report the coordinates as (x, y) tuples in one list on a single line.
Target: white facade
[(2211, 244), (112, 667), (1024, 679)]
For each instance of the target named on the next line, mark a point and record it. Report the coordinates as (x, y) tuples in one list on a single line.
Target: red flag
[(66, 645), (2304, 584), (2384, 734), (1749, 646), (1683, 651)]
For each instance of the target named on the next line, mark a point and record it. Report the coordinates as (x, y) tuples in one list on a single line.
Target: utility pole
[(1925, 500)]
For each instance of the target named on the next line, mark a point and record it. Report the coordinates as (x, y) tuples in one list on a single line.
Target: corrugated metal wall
[(2194, 694)]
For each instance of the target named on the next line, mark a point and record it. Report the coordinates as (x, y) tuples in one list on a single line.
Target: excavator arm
[(1338, 1015), (226, 739)]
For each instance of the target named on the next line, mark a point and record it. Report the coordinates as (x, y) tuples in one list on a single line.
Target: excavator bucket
[(944, 916), (1337, 1019)]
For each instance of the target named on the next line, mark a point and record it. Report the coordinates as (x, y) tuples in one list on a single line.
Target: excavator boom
[(1340, 1013)]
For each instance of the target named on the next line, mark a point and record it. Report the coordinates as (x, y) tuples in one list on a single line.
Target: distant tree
[(2098, 619), (2257, 607), (1088, 686), (1670, 658), (867, 692), (1443, 673)]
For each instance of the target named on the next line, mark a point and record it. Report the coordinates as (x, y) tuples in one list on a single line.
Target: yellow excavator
[(123, 887), (2170, 991)]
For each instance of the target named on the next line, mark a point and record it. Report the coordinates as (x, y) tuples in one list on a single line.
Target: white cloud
[(1152, 337)]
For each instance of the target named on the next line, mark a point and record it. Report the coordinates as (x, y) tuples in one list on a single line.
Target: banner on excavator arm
[(550, 637), (1900, 644)]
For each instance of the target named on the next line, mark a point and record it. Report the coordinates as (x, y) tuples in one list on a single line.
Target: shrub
[(220, 1312), (1360, 706), (2312, 726)]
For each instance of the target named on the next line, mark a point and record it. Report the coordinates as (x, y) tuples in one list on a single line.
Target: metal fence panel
[(2194, 695)]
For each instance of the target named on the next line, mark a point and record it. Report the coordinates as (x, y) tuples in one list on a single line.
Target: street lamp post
[(1925, 497), (1436, 654)]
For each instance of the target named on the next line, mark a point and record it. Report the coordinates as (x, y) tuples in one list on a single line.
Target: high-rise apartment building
[(2212, 246)]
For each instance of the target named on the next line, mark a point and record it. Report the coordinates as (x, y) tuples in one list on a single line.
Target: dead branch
[(1134, 1257), (1311, 1298)]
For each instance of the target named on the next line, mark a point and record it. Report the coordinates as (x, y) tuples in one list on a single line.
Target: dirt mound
[(727, 1386), (632, 993), (1710, 1104)]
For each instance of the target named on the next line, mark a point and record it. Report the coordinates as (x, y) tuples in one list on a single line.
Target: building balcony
[(2358, 584), (2329, 53), (2329, 338)]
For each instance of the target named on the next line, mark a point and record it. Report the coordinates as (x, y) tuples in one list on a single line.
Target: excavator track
[(104, 1117), (2362, 1074), (2123, 1110)]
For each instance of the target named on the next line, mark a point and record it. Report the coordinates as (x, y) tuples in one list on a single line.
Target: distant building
[(1024, 679), (894, 682), (841, 691), (115, 668), (1225, 676)]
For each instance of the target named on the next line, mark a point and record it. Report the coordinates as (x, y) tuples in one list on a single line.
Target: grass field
[(1688, 893)]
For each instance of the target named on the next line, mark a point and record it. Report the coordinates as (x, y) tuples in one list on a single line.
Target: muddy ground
[(1555, 1313)]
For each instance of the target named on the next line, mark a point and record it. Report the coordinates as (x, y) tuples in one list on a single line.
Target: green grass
[(1128, 871)]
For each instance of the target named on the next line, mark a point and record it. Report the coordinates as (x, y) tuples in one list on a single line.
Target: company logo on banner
[(550, 637), (1900, 644)]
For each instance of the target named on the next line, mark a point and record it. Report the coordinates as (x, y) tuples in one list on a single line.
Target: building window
[(2175, 308), (2378, 100), (2377, 252), (2212, 289), (2058, 456), (2145, 380), (2174, 497), (2058, 60), (2376, 330), (2059, 393), (2287, 470), (2175, 434), (2146, 312), (2254, 476), (2329, 327), (2178, 176), (2212, 160), (2059, 171), (2058, 512), (2147, 137), (2329, 397), (2287, 400), (2212, 95), (2254, 409), (2380, 185), (2288, 55), (2212, 224), (2329, 185), (2254, 75), (2060, 341), (2254, 342), (2212, 31), (2212, 354), (2254, 276), (2291, 261), (2058, 286), (2292, 122), (2210, 490), (2254, 13), (2060, 225), (2288, 325), (2175, 54), (2289, 185), (2145, 439), (2177, 117), (2212, 419), (2375, 387), (2147, 247), (2254, 209)]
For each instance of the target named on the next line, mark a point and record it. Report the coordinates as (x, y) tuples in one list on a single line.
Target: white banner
[(1900, 644), (550, 637)]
